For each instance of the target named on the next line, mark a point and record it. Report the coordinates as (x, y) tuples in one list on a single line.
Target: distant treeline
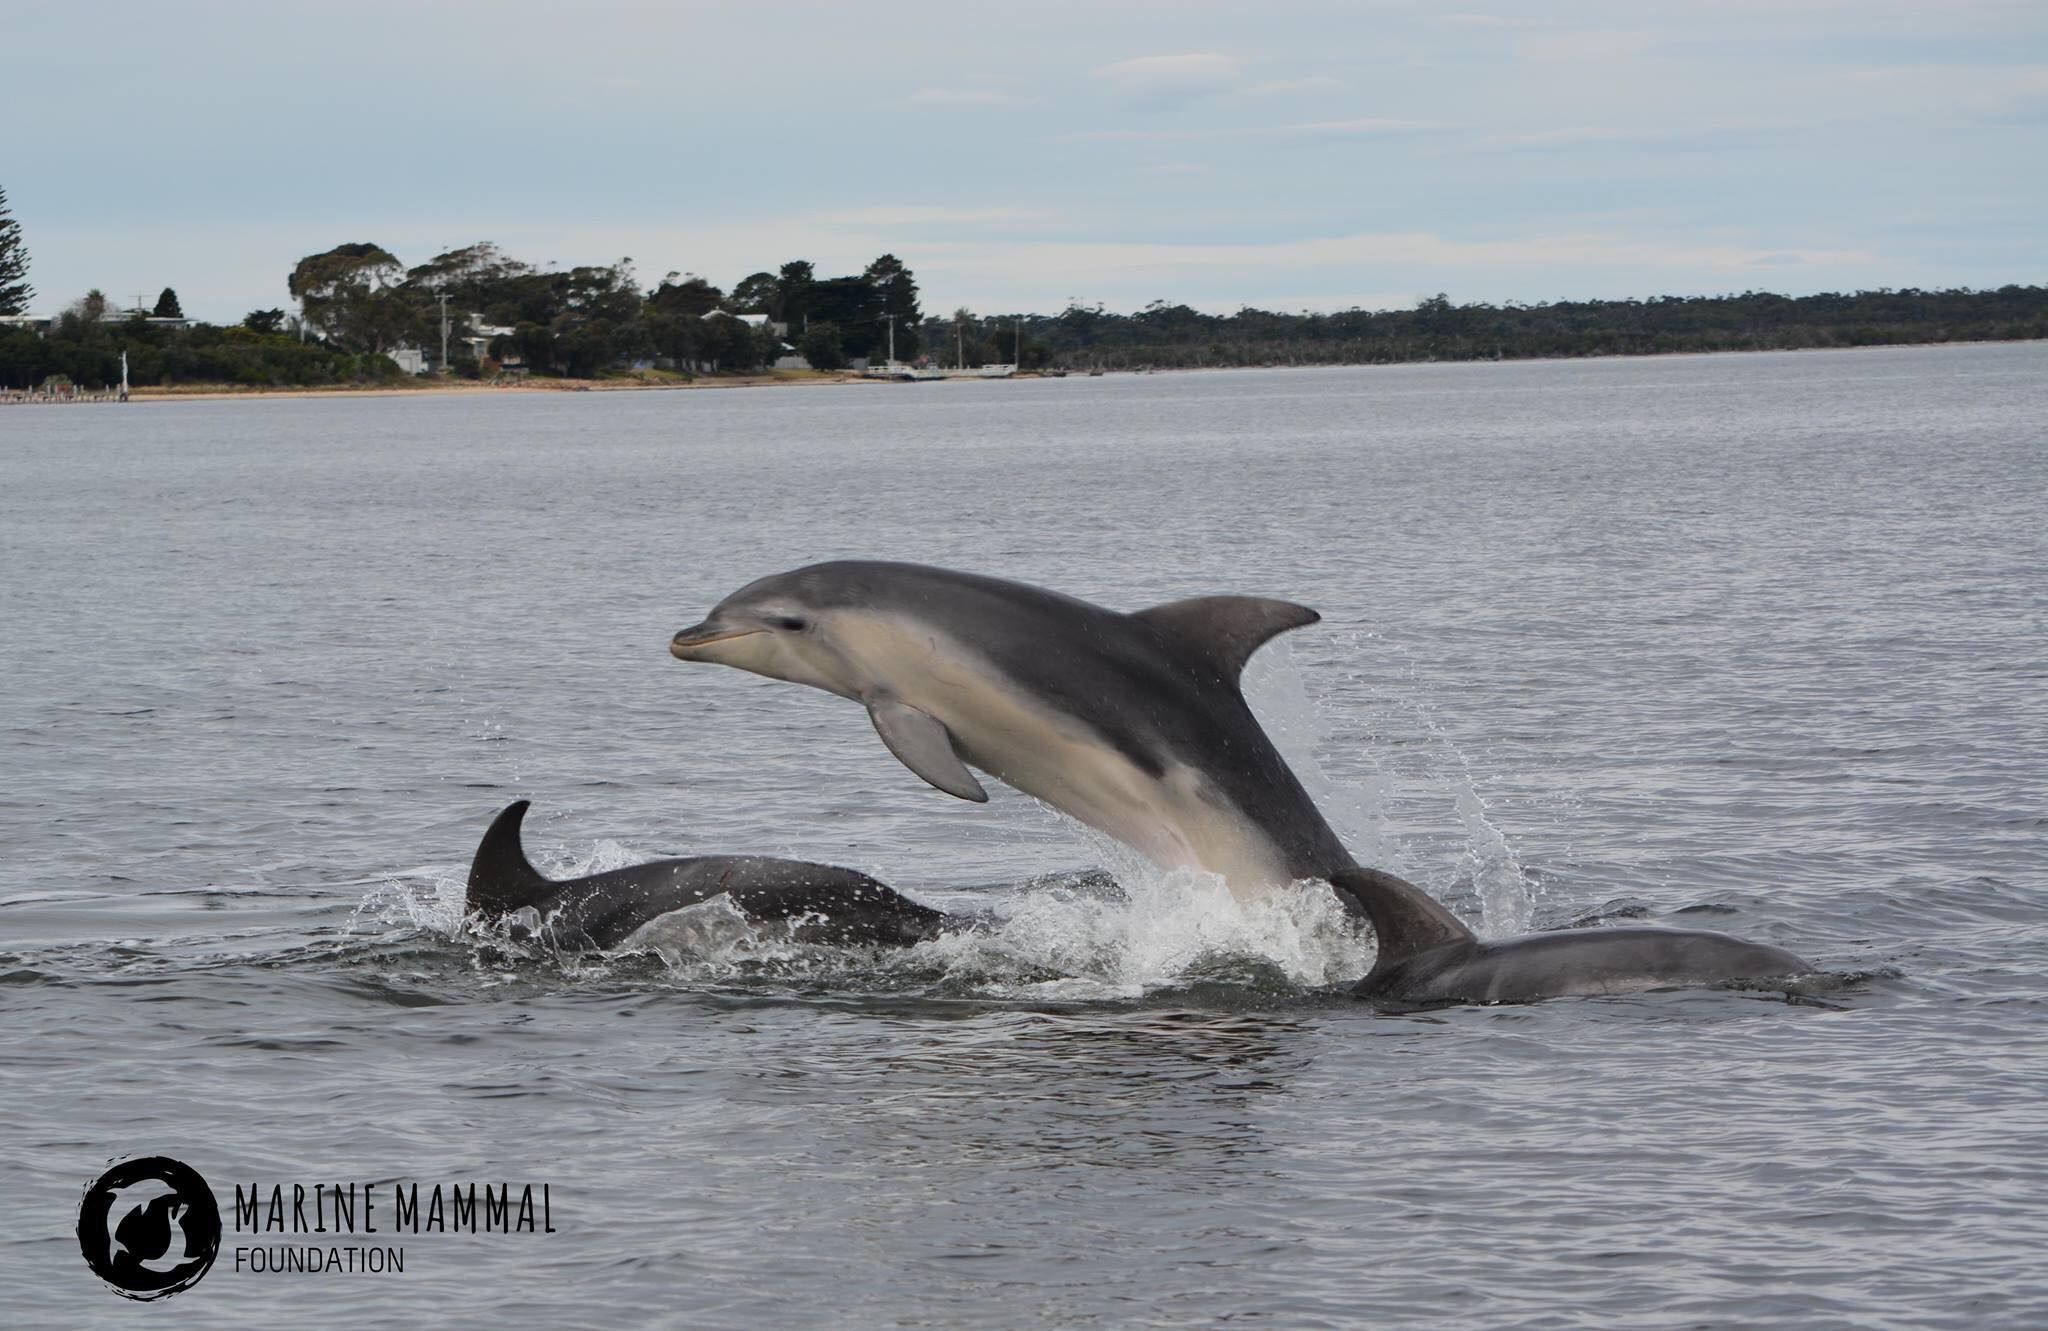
[(358, 303), (1175, 336)]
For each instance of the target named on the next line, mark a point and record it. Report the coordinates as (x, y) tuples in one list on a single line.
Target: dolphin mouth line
[(679, 644)]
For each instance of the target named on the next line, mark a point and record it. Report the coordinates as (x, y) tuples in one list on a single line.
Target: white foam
[(1164, 929), (711, 930), (424, 898), (1161, 929)]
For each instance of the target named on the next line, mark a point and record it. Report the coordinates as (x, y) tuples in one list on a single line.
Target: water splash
[(1137, 930), (1132, 931), (428, 900), (709, 930), (1280, 698), (1278, 693), (1159, 929), (432, 899)]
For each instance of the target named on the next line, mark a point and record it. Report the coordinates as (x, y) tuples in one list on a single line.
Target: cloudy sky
[(1021, 154)]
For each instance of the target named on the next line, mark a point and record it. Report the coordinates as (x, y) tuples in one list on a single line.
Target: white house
[(775, 326), (480, 339)]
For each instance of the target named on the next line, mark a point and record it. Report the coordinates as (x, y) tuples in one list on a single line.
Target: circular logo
[(149, 1227)]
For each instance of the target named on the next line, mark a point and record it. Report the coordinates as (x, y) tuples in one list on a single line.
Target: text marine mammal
[(354, 1208)]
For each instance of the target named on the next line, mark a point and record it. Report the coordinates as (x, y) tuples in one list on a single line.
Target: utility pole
[(892, 337), (443, 298), (960, 346), (1017, 332)]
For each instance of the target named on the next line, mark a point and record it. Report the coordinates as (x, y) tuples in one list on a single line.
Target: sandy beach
[(437, 387)]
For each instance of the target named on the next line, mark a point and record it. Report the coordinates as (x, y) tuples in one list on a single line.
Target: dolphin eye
[(794, 623)]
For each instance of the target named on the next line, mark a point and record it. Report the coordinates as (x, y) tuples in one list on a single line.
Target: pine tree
[(15, 292), (167, 306)]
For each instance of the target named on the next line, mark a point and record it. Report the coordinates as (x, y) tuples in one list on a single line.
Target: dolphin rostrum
[(821, 904), (1131, 723)]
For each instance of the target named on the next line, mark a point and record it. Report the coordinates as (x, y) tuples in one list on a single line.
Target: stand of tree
[(84, 348), (15, 292), (586, 321), (360, 302), (1178, 337)]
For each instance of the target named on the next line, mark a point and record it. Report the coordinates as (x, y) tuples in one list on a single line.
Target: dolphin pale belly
[(1427, 958), (821, 904), (1131, 723)]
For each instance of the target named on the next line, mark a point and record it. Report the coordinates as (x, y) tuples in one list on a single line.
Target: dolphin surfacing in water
[(821, 903), (1428, 958), (1132, 723)]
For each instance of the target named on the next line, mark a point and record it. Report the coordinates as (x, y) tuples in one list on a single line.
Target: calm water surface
[(1749, 642)]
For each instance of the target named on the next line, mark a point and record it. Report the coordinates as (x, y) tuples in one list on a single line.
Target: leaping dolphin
[(822, 904), (1131, 723), (1135, 725)]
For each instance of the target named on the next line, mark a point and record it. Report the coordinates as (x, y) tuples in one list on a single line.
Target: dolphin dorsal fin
[(1405, 919), (1224, 630), (501, 878)]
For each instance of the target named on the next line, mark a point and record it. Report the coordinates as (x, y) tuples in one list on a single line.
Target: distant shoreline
[(477, 388), (821, 378)]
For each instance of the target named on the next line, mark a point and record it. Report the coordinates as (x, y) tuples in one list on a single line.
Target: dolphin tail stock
[(501, 878), (1405, 919)]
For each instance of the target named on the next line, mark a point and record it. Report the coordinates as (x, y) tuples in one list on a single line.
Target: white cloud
[(1287, 87), (1316, 128), (914, 216), (1365, 127), (1584, 47), (1696, 137), (1469, 20), (960, 97), (1160, 81), (1576, 136), (1949, 92)]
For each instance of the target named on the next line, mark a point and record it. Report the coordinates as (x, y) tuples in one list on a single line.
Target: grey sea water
[(1748, 642)]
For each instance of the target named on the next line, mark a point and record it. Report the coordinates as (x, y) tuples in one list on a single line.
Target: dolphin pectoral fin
[(1224, 630), (923, 744)]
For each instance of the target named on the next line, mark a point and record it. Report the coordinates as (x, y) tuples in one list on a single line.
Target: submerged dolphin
[(1428, 958), (1132, 723), (821, 903)]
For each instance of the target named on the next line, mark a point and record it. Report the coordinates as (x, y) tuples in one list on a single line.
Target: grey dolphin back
[(1222, 632), (501, 879), (1405, 919), (1428, 957), (821, 903)]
